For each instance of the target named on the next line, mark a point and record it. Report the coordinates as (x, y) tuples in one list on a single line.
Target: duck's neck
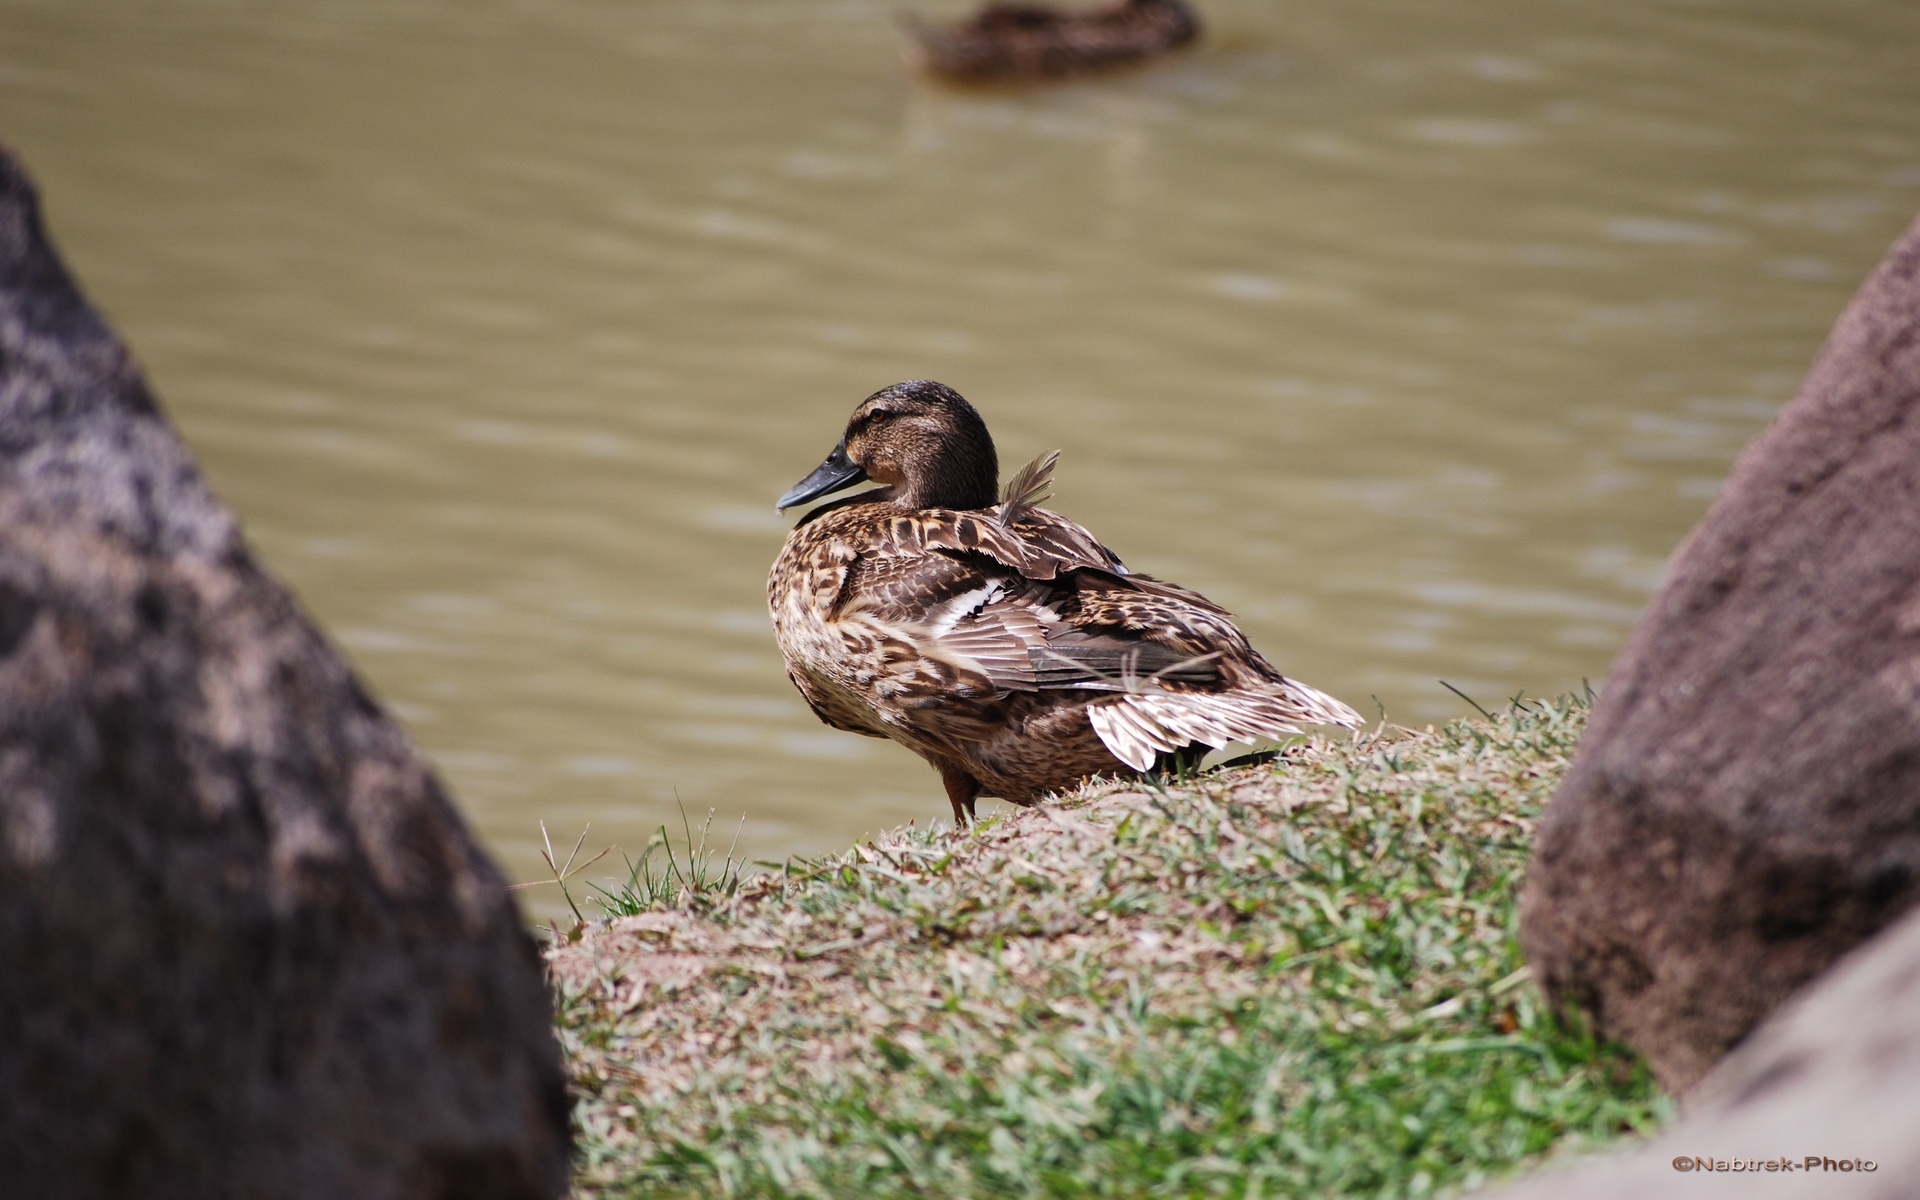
[(966, 478)]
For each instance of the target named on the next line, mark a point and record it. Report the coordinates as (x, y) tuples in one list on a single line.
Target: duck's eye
[(877, 415)]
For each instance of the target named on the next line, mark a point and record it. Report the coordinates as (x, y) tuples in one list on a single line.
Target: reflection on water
[(1415, 333)]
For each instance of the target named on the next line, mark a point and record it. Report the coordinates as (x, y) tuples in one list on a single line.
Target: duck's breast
[(803, 592)]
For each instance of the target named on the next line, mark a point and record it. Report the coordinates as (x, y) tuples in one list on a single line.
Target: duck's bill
[(837, 472)]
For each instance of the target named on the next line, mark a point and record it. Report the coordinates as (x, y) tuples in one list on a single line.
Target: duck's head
[(922, 440)]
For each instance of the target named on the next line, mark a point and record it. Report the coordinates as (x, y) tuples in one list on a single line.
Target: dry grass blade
[(563, 873)]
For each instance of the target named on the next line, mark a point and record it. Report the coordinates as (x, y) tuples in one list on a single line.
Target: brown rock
[(1827, 1090), (1745, 806), (246, 946)]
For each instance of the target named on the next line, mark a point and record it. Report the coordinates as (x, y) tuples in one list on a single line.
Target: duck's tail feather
[(1140, 726), (1029, 486)]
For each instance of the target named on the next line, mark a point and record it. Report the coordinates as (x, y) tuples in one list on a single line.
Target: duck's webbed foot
[(962, 788)]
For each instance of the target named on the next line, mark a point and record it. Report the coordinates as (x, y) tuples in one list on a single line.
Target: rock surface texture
[(1833, 1078), (1745, 807), (247, 948)]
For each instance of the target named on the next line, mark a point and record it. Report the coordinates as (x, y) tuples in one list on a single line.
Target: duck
[(1024, 42), (998, 640)]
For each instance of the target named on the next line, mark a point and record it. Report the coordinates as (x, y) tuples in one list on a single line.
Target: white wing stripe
[(1137, 727)]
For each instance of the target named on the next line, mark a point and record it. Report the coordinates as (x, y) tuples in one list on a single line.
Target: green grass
[(681, 879), (1289, 980)]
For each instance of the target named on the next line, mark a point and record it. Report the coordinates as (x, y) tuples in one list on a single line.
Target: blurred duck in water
[(999, 641), (1016, 42)]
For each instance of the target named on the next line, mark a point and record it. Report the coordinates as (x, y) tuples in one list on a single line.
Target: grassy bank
[(1292, 979)]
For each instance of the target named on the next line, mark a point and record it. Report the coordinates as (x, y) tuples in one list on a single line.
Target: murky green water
[(1415, 332)]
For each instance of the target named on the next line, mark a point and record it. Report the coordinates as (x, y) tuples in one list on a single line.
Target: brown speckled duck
[(999, 641), (1009, 42)]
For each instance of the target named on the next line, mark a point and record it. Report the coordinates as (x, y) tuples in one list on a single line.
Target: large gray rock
[(246, 946), (1745, 806), (1827, 1091)]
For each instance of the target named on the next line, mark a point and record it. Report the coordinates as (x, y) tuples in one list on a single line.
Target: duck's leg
[(961, 790), (1183, 762)]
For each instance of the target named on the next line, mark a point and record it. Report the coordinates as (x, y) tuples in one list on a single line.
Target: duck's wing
[(1157, 611), (1247, 700), (923, 613), (1251, 702), (1179, 670), (1003, 600)]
